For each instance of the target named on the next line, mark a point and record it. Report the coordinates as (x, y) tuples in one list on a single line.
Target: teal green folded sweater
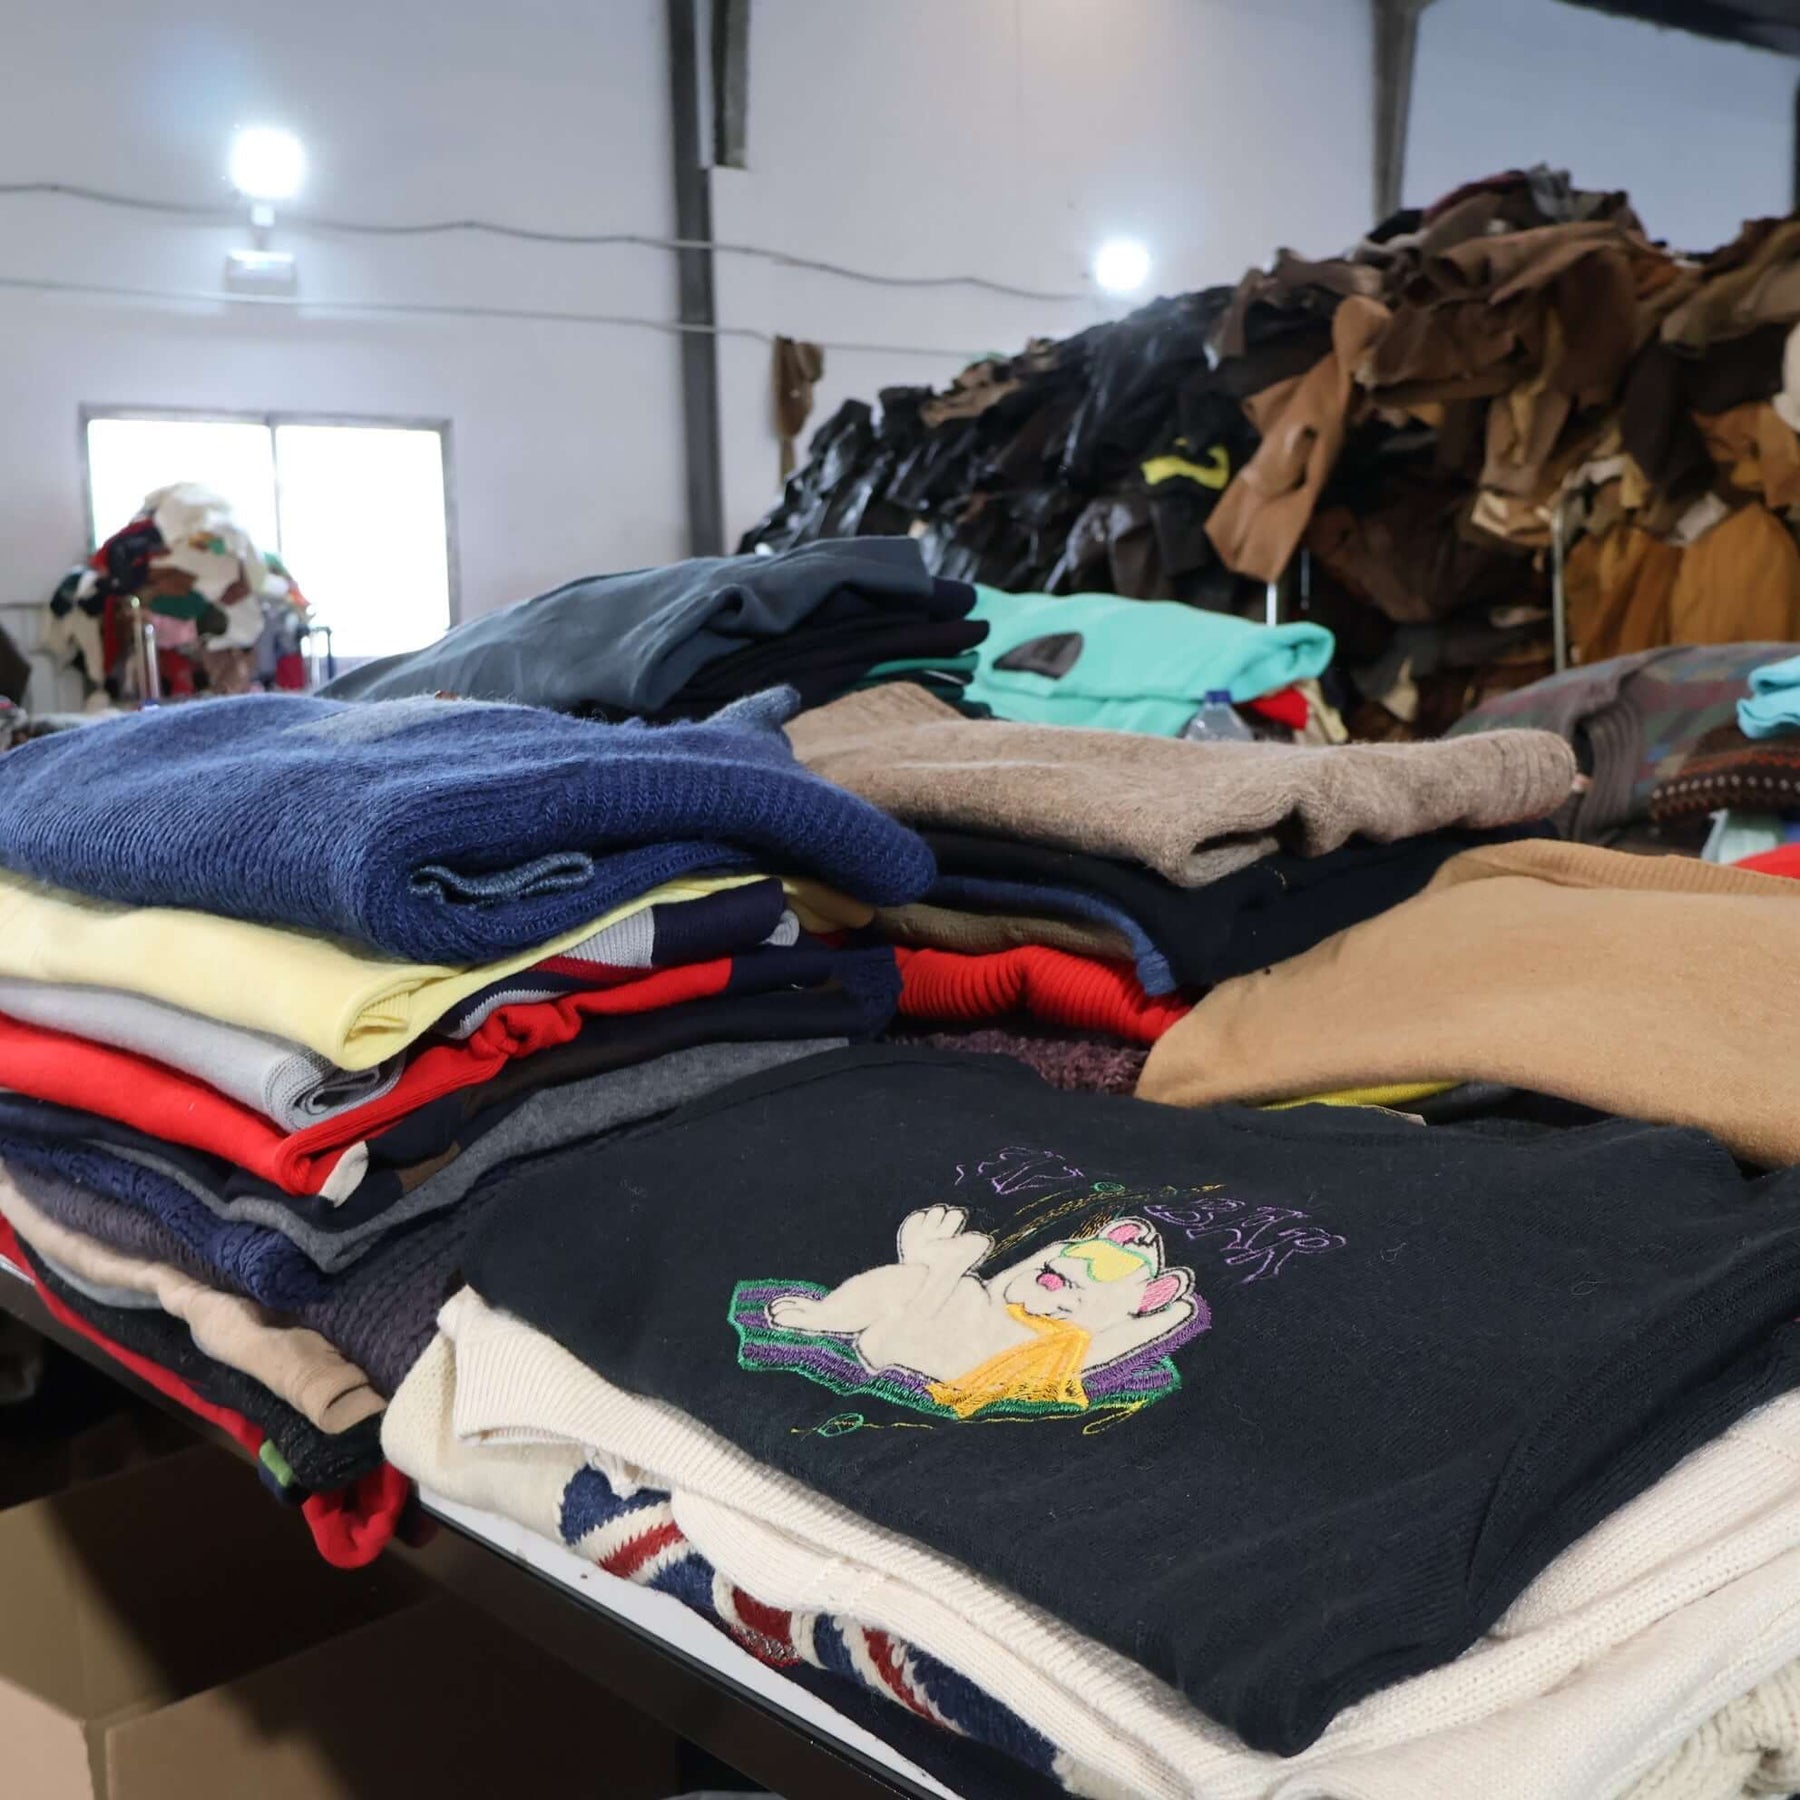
[(1137, 665)]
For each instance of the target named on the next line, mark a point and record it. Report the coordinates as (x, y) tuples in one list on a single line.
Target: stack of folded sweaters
[(1292, 1452), (835, 618), (1094, 880), (1175, 1453), (281, 981), (1636, 723), (506, 1094)]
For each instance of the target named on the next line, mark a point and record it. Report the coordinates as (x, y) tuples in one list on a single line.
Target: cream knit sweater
[(1750, 1749), (1674, 1609)]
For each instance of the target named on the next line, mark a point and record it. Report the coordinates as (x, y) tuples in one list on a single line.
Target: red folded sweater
[(351, 1526), (165, 1103), (1084, 992)]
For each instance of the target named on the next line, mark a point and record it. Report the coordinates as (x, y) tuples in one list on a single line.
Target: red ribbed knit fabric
[(1083, 992), (166, 1103), (351, 1526), (1785, 861)]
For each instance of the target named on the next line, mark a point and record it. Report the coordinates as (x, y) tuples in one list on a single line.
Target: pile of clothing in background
[(227, 617), (723, 1147), (1421, 416)]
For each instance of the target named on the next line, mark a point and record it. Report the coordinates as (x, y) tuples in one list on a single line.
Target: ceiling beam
[(1761, 24)]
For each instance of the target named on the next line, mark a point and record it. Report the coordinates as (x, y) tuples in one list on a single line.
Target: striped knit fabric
[(658, 937), (1727, 772), (637, 1539)]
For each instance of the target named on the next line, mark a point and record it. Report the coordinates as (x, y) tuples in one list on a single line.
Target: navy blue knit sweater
[(438, 831), (250, 1258)]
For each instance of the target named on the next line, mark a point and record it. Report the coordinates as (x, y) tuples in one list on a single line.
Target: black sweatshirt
[(1285, 1406)]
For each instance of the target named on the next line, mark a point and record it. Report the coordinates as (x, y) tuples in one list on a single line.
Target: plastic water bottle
[(1217, 721)]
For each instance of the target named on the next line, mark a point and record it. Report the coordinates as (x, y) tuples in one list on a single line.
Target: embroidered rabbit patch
[(1081, 1322)]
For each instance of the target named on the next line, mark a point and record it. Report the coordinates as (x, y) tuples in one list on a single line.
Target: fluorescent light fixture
[(267, 163), (1121, 266)]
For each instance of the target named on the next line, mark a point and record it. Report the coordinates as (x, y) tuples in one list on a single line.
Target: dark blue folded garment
[(1059, 902), (436, 831), (320, 1460), (632, 642), (255, 1261)]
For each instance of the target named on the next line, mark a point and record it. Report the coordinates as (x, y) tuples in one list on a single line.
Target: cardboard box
[(435, 1700), (122, 1596)]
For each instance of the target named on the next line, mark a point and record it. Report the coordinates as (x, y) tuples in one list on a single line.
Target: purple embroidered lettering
[(1014, 1169), (1259, 1239)]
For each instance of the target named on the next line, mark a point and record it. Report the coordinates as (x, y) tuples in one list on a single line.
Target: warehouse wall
[(1701, 133), (1008, 138), (566, 438), (1004, 138)]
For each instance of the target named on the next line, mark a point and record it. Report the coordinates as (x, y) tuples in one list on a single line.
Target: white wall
[(565, 439), (1004, 138), (1008, 138), (1700, 133)]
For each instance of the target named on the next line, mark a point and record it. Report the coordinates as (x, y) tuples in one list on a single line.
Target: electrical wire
[(446, 309), (527, 234)]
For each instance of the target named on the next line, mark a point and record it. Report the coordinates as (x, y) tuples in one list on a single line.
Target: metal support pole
[(143, 632), (1797, 148), (731, 83), (694, 284), (1559, 596), (1396, 51)]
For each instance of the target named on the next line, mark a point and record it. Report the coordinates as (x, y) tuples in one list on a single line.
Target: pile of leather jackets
[(1397, 434)]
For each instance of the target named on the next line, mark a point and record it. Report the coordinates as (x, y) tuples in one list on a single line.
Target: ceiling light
[(267, 163), (1121, 266)]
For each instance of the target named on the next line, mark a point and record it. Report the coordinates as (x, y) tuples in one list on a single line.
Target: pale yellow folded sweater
[(1656, 987), (352, 1005)]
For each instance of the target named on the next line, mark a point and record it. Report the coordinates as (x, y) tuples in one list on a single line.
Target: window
[(357, 512)]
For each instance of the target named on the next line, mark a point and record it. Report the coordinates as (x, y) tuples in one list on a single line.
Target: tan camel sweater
[(1656, 987)]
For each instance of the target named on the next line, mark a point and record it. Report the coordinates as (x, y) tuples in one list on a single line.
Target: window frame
[(212, 415)]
